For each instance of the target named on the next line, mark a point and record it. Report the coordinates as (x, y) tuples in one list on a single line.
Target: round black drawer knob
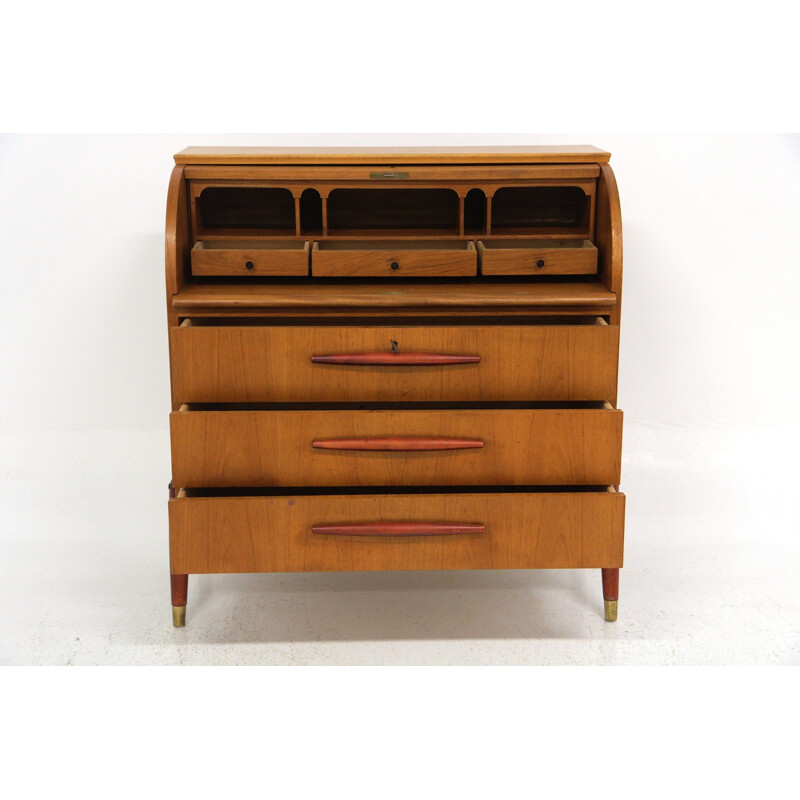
[(540, 262), (395, 265), (249, 264)]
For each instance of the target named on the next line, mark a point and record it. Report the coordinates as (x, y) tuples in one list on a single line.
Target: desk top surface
[(538, 154), (409, 295)]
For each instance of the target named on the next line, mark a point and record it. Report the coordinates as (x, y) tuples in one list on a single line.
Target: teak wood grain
[(321, 340), (609, 236), (253, 363), (394, 259), (274, 534), (274, 448), (536, 154), (177, 239), (311, 175), (409, 296), (250, 258), (177, 243), (556, 257)]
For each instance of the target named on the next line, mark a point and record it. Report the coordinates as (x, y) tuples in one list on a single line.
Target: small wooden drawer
[(537, 257), (380, 447), (250, 257), (278, 533), (560, 359), (393, 259)]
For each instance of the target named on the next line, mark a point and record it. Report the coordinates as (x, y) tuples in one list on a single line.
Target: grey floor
[(712, 572)]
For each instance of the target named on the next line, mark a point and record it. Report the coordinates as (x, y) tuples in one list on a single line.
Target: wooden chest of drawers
[(394, 360)]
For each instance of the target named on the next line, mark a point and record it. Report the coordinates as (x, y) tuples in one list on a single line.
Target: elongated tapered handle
[(399, 529), (397, 443), (395, 359)]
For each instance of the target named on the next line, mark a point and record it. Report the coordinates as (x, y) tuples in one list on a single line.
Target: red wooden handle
[(399, 529), (395, 359), (397, 443)]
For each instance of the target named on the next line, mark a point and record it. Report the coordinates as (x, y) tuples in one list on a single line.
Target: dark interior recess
[(539, 207), (310, 212), (475, 211), (393, 209), (306, 491), (247, 207), (395, 322), (594, 405)]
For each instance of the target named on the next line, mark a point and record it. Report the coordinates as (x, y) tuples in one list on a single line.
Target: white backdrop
[(708, 377)]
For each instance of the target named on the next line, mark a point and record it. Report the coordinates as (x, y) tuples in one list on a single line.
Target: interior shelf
[(246, 211), (237, 208), (398, 210), (428, 230), (532, 207)]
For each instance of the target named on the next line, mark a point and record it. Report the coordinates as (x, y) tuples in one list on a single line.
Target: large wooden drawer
[(226, 363), (525, 530), (355, 447)]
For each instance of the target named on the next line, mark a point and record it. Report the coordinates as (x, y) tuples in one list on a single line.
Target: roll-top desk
[(394, 359)]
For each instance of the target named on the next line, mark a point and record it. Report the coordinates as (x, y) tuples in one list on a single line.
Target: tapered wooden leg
[(611, 593), (180, 587)]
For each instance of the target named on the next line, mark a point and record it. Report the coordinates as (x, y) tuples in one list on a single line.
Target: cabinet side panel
[(178, 240), (177, 248), (609, 232)]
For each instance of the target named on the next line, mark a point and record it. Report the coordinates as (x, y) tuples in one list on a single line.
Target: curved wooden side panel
[(176, 250), (608, 235), (177, 234), (608, 238)]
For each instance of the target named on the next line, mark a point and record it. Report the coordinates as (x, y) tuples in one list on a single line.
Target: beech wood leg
[(180, 587), (610, 593)]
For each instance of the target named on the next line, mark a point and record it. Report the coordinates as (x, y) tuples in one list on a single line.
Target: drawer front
[(239, 364), (250, 258), (396, 448), (526, 257), (498, 531), (393, 259)]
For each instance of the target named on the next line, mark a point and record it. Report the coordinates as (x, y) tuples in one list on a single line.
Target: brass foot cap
[(178, 616), (611, 610)]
